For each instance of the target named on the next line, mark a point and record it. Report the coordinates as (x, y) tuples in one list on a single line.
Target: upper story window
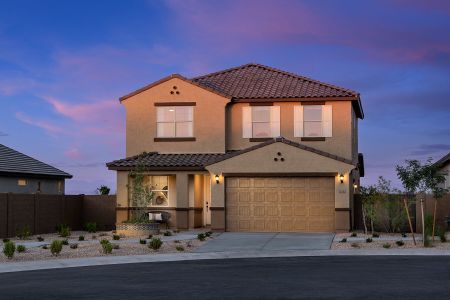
[(174, 121), (22, 182), (313, 121), (261, 121)]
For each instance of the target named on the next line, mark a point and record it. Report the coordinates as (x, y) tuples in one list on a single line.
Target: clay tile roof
[(198, 161), (14, 162), (255, 81)]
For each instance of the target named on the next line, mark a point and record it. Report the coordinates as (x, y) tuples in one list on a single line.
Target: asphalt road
[(363, 277)]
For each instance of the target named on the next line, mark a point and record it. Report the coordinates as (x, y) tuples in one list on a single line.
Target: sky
[(64, 64)]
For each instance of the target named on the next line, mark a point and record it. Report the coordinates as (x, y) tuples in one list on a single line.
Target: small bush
[(155, 243), (73, 246), (63, 230), (106, 246), (344, 240), (81, 238), (56, 247), (179, 248), (354, 234), (90, 227), (116, 237), (404, 234), (177, 241), (442, 234), (142, 242), (208, 233), (5, 240), (369, 240), (167, 233), (355, 245), (375, 235), (8, 249), (21, 248), (45, 247), (400, 243), (65, 242), (115, 246), (40, 238), (150, 236), (386, 246), (23, 233), (201, 236), (427, 242)]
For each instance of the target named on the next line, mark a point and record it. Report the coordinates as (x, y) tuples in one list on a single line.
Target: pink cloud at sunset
[(47, 126)]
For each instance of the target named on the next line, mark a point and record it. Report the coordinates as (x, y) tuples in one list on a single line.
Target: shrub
[(65, 242), (176, 241), (106, 246), (442, 234), (73, 246), (116, 237), (354, 234), (179, 248), (40, 238), (355, 245), (428, 220), (81, 238), (115, 246), (404, 234), (208, 233), (167, 233), (103, 190), (375, 235), (63, 230), (386, 246), (400, 243), (21, 248), (201, 236), (90, 227), (369, 240), (23, 233), (142, 242), (155, 243), (344, 240), (150, 236), (45, 247), (8, 249), (427, 242), (56, 247), (5, 240)]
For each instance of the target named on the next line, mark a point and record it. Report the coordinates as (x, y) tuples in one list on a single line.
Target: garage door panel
[(288, 204)]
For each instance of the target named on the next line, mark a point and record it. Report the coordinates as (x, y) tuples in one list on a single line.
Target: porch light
[(217, 178), (355, 185), (341, 177)]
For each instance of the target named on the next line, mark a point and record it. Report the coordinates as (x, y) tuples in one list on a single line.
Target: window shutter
[(327, 117), (274, 121), (246, 122), (298, 121)]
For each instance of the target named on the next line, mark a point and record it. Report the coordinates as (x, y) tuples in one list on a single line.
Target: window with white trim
[(313, 121), (261, 121), (174, 121)]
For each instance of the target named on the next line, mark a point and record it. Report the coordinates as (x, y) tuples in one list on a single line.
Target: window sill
[(313, 139), (259, 139), (176, 139)]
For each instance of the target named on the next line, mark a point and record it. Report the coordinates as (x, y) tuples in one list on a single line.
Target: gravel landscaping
[(91, 247), (384, 241)]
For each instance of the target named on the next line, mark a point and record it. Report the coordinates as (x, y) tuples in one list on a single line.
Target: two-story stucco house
[(250, 148)]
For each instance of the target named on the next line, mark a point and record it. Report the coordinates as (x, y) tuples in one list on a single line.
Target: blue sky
[(64, 64)]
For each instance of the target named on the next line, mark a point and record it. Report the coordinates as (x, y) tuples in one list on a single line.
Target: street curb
[(113, 260)]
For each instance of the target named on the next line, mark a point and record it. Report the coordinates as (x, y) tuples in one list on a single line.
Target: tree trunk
[(434, 216), (364, 218), (409, 220)]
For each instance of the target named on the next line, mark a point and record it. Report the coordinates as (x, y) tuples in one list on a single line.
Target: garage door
[(285, 204)]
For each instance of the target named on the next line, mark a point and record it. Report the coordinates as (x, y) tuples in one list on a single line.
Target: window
[(313, 121), (261, 121), (60, 186), (22, 182), (174, 121), (159, 185)]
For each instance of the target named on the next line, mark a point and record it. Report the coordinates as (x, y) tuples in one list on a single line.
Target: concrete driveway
[(255, 241)]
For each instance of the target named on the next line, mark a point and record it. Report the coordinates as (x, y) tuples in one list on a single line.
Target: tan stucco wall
[(339, 144), (209, 119)]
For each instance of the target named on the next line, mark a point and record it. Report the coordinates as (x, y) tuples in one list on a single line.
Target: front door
[(207, 201)]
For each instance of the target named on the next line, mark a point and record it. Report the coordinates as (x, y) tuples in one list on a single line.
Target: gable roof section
[(443, 161), (14, 162), (197, 161)]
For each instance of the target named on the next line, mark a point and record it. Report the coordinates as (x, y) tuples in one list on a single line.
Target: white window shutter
[(327, 117), (298, 121), (274, 121), (246, 122)]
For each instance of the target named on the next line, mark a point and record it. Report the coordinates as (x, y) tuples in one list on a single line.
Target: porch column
[(182, 209)]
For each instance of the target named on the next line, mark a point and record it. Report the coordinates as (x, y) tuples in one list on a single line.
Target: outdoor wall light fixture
[(355, 185), (217, 179), (341, 177)]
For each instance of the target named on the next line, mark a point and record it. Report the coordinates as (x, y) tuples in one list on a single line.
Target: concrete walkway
[(273, 241), (112, 260)]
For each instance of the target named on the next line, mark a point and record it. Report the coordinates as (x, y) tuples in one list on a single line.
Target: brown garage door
[(283, 204)]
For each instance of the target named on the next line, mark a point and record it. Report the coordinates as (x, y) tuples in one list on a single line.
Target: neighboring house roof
[(255, 82), (443, 161), (13, 162), (198, 161)]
